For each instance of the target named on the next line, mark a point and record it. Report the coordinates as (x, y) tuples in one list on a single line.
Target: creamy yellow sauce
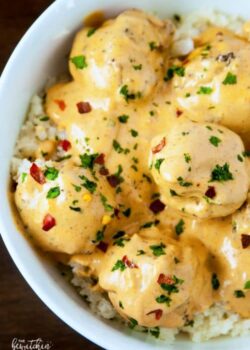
[(151, 197)]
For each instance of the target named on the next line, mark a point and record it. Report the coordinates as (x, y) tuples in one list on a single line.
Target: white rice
[(216, 320)]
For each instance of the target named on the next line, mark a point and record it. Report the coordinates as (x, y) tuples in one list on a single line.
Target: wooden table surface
[(22, 313)]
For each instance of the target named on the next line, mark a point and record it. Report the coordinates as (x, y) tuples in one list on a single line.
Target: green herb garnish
[(230, 79), (179, 228), (51, 173), (221, 173), (79, 61), (215, 281), (214, 140), (53, 192), (204, 90), (158, 249)]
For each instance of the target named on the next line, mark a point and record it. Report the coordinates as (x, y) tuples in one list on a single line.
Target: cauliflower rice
[(215, 321)]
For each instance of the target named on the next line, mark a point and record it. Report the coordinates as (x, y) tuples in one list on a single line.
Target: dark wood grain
[(22, 314)]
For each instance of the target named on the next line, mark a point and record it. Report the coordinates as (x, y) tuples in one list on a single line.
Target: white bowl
[(39, 55)]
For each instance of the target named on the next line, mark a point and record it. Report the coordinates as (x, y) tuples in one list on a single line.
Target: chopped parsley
[(89, 185), (134, 133), (239, 293), (163, 299), (132, 323), (158, 250), (179, 228), (153, 46), (87, 160), (44, 118), (51, 173), (79, 61), (155, 332), (215, 281), (150, 224), (77, 188), (118, 148), (53, 192), (91, 31), (187, 157), (204, 90), (172, 287), (140, 252), (105, 204), (119, 265), (78, 209), (120, 241), (183, 183), (178, 70), (99, 236), (121, 305), (221, 173), (214, 140), (247, 285), (230, 79), (123, 118), (119, 234), (137, 66), (173, 193), (239, 157), (158, 163), (23, 177), (128, 95), (127, 212)]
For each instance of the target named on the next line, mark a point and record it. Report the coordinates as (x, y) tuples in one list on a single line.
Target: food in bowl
[(135, 173)]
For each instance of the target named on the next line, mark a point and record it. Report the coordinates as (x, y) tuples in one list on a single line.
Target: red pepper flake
[(37, 174), (64, 144), (103, 246), (48, 222), (159, 147), (100, 159), (103, 171), (157, 206), (129, 263), (210, 193), (61, 104), (113, 180), (245, 241), (178, 113), (83, 107), (186, 61), (167, 279), (158, 314)]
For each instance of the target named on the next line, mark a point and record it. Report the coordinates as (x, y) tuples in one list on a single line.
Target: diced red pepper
[(37, 174), (178, 112), (64, 144), (245, 241), (83, 107), (100, 159), (158, 314), (103, 246), (129, 263), (113, 180), (210, 193), (167, 279), (157, 206), (103, 171), (61, 104), (48, 222), (160, 146)]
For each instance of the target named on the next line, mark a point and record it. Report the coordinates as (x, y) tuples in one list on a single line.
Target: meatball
[(200, 169), (215, 86), (62, 206), (156, 283), (125, 55)]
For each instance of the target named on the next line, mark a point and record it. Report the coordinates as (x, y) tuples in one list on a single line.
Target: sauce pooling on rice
[(148, 191)]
